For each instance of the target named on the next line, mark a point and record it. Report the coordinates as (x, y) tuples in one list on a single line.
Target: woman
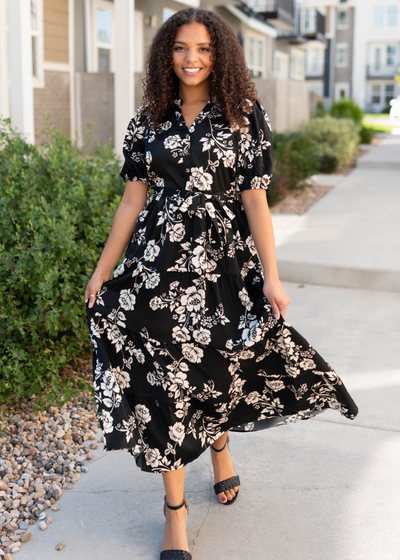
[(189, 336)]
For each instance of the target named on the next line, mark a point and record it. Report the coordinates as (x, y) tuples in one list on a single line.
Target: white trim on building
[(20, 71), (4, 78), (124, 84)]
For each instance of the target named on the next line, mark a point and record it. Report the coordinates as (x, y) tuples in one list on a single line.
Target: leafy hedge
[(295, 160), (56, 208), (347, 109), (337, 140)]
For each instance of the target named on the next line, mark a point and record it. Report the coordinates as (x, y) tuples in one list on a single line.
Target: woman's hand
[(277, 297), (94, 285)]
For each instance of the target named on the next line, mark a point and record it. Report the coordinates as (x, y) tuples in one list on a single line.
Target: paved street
[(321, 489)]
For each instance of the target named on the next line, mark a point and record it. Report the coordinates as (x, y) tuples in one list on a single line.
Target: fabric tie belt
[(213, 203)]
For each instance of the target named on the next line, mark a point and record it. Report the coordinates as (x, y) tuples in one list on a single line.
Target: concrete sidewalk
[(351, 237), (321, 489)]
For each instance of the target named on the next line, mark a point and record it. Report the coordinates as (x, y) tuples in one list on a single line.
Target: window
[(104, 36), (37, 42), (281, 65), (315, 62), (392, 16), (376, 94), (378, 16), (167, 13), (391, 52), (389, 93), (341, 54), (343, 19), (297, 65), (309, 20), (256, 57)]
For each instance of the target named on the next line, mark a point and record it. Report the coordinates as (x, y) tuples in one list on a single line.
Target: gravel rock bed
[(40, 457)]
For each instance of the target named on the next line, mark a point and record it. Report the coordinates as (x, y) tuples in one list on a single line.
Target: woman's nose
[(191, 55)]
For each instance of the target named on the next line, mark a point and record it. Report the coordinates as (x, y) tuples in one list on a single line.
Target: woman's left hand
[(277, 297)]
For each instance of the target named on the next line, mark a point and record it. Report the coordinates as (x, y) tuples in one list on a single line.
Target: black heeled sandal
[(175, 554), (228, 483)]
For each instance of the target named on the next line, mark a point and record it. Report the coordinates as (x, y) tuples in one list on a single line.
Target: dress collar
[(211, 101), (206, 111)]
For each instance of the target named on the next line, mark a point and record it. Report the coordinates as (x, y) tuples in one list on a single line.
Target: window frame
[(381, 17), (345, 47), (297, 55), (375, 95), (284, 65), (37, 80), (393, 55), (257, 70), (102, 5), (395, 16), (345, 24), (385, 95)]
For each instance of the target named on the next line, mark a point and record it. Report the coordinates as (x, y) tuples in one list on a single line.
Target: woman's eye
[(205, 49), (177, 48)]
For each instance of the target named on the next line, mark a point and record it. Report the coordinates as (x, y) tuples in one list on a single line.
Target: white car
[(395, 111)]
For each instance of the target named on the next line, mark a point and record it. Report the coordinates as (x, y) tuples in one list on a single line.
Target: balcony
[(311, 24), (279, 13), (381, 73)]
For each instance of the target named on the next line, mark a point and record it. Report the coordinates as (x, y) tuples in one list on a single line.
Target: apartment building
[(81, 61), (377, 52), (363, 50)]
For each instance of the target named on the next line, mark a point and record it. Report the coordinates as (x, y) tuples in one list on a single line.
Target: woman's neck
[(191, 95)]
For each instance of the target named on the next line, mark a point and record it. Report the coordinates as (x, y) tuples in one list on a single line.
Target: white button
[(187, 169)]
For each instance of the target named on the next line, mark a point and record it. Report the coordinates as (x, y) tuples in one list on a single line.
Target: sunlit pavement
[(321, 489)]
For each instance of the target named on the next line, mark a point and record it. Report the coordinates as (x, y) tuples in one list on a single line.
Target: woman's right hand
[(94, 285)]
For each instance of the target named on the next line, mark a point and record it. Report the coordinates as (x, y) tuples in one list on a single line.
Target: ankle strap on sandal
[(175, 507)]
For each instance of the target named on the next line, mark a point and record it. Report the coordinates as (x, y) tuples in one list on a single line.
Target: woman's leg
[(223, 467), (175, 523)]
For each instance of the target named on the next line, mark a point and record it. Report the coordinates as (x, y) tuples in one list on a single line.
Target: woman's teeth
[(191, 70)]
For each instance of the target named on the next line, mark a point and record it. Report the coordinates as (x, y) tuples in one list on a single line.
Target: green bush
[(320, 111), (366, 135), (56, 208), (347, 109), (295, 158), (328, 163), (336, 138)]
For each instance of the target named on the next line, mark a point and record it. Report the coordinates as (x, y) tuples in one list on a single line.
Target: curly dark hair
[(230, 79)]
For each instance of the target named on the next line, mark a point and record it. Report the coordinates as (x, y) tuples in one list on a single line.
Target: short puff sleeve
[(254, 163), (134, 167)]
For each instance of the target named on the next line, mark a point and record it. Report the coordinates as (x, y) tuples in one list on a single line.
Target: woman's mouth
[(191, 71)]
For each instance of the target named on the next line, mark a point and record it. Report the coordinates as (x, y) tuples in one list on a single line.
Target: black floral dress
[(186, 345)]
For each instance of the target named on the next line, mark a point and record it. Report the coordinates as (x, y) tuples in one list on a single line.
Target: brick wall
[(54, 100)]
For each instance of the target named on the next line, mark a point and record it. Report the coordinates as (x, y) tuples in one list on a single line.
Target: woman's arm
[(259, 218), (126, 215)]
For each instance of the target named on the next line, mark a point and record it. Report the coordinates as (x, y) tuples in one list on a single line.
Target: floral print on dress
[(185, 344)]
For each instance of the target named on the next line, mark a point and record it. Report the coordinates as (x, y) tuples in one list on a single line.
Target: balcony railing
[(278, 12), (383, 72), (311, 22)]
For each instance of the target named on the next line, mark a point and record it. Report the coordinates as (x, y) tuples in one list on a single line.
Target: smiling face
[(191, 54)]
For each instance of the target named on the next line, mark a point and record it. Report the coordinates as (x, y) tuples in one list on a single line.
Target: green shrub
[(366, 135), (328, 163), (347, 109), (336, 138), (295, 158), (320, 112), (56, 208)]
